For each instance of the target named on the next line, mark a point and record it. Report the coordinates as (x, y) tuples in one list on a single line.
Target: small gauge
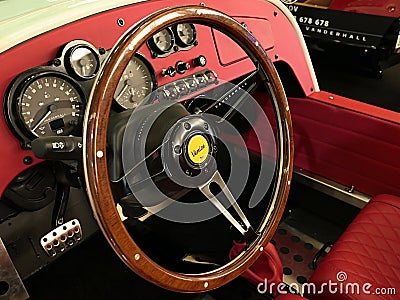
[(45, 104), (137, 82), (185, 34), (83, 61), (162, 42)]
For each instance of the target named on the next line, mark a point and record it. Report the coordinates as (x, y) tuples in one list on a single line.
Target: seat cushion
[(366, 255)]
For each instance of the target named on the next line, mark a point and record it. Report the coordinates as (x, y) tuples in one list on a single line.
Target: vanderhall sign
[(319, 22)]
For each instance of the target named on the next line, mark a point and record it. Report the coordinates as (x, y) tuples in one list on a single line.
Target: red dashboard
[(272, 28), (103, 30)]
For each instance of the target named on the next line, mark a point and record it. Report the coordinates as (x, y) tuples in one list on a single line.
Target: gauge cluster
[(50, 100), (172, 39)]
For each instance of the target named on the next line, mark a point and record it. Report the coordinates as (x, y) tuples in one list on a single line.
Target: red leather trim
[(347, 146), (388, 200), (344, 144), (367, 252), (267, 267), (362, 108)]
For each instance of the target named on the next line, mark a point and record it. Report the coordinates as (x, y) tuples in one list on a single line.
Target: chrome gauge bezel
[(69, 61), (152, 44), (63, 59), (13, 97), (178, 44), (178, 38), (153, 78)]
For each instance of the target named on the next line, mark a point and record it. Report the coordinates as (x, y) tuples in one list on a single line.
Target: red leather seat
[(367, 255)]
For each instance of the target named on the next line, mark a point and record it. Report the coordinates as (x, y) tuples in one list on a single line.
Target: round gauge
[(46, 104), (137, 81), (186, 34), (163, 41), (83, 61)]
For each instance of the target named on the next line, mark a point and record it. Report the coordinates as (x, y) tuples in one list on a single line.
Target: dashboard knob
[(200, 61), (182, 67), (170, 71)]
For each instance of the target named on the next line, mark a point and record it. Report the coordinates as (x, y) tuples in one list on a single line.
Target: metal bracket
[(11, 285)]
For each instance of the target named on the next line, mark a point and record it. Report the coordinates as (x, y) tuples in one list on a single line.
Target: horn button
[(197, 149), (188, 151)]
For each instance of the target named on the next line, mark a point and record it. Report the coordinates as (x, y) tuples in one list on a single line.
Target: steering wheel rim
[(95, 162)]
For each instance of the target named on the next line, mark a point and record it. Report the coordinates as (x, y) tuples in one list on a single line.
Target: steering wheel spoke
[(242, 225)]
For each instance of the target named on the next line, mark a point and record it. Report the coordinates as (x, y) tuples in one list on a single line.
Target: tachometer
[(45, 104), (137, 82)]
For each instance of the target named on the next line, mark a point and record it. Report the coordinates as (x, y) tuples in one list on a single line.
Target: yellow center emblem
[(198, 149)]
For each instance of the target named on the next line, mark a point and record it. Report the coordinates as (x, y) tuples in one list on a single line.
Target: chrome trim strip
[(339, 191)]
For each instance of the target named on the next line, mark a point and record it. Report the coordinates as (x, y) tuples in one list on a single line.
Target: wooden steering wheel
[(95, 158)]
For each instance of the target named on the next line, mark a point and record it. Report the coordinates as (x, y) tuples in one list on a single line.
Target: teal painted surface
[(21, 20), (12, 9)]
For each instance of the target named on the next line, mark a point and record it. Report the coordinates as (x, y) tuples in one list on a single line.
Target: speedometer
[(46, 104), (136, 83)]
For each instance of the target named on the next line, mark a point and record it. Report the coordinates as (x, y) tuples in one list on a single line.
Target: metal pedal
[(62, 237), (11, 285)]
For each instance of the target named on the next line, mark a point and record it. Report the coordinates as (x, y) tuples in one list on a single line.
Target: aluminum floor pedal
[(62, 237)]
